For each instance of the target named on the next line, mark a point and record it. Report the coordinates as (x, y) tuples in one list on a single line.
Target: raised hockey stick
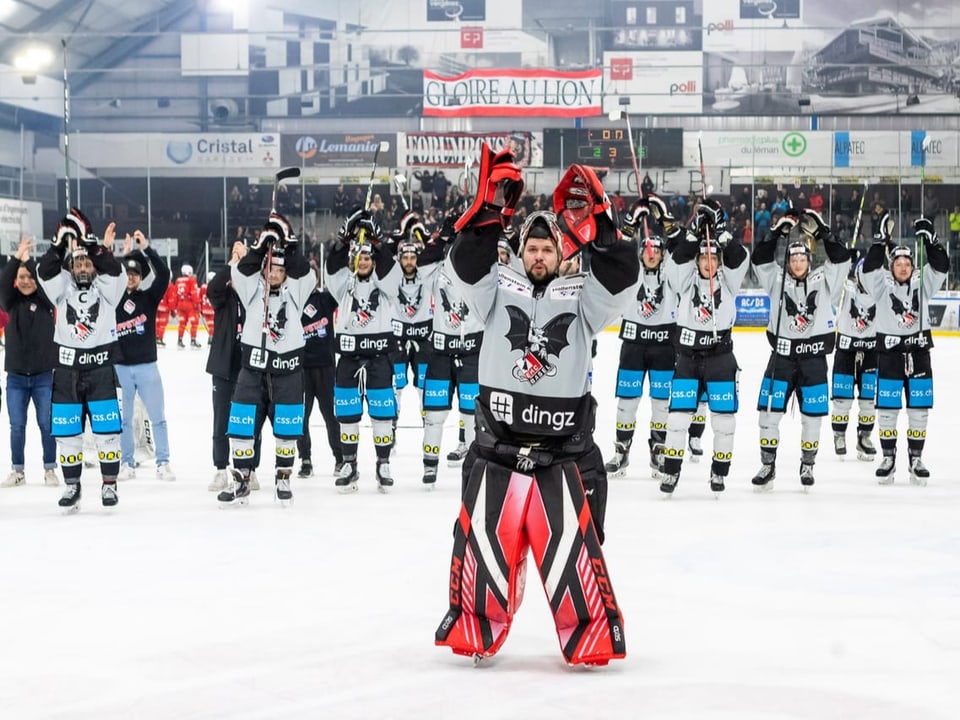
[(706, 232), (624, 114), (776, 332), (924, 146), (851, 244), (401, 180), (285, 174), (382, 146), (66, 127)]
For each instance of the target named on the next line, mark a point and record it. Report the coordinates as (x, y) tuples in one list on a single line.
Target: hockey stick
[(706, 232), (851, 244), (625, 115), (919, 242), (66, 127), (401, 180), (285, 174), (776, 332), (384, 146)]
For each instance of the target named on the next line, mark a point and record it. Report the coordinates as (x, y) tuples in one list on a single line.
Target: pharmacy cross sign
[(794, 144)]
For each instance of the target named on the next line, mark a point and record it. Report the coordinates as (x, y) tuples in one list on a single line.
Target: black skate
[(70, 500), (840, 443), (455, 457), (918, 471), (668, 483), (430, 476), (806, 474), (180, 345), (284, 494), (238, 492), (865, 449), (346, 481), (194, 344), (696, 448), (717, 483), (656, 461), (764, 478), (384, 479), (108, 494), (885, 469), (306, 469), (617, 467), (161, 343)]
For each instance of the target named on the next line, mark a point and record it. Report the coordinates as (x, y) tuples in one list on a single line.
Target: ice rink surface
[(839, 603)]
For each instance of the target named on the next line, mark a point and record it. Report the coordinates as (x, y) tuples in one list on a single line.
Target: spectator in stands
[(341, 202), (761, 220)]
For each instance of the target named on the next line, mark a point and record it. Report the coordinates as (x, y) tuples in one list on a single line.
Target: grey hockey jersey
[(653, 317), (899, 323), (414, 304), (282, 353), (366, 316), (856, 317), (805, 324), (457, 330)]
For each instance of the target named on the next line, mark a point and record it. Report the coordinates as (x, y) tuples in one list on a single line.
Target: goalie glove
[(583, 211), (499, 187), (813, 224)]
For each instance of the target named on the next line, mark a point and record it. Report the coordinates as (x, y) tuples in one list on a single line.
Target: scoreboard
[(610, 147)]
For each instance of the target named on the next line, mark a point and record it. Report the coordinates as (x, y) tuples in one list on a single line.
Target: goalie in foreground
[(533, 478)]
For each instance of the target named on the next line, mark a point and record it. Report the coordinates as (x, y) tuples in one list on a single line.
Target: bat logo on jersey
[(701, 305), (455, 313), (536, 343), (278, 323), (907, 317), (862, 316), (364, 309), (801, 314), (408, 305), (649, 299), (83, 320)]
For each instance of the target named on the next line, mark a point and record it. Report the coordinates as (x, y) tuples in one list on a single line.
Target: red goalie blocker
[(583, 211)]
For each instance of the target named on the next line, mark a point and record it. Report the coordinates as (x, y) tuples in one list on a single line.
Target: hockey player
[(188, 305), (167, 303), (147, 280), (319, 372), (364, 279), (84, 383), (419, 263), (224, 362), (453, 368), (801, 336), (855, 364), (206, 309), (273, 282), (903, 293), (533, 477), (707, 269)]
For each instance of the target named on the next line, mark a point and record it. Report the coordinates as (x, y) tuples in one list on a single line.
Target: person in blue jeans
[(30, 357), (147, 280)]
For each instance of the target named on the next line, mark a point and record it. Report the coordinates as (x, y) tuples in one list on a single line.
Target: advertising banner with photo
[(653, 83), (326, 149), (423, 149), (221, 151), (513, 93)]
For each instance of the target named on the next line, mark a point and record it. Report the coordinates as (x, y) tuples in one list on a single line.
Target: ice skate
[(70, 500), (840, 443), (765, 476), (885, 469), (430, 476), (384, 479), (194, 345), (918, 471), (656, 461), (696, 448), (668, 483), (617, 467), (237, 493), (180, 345), (219, 482), (50, 478), (306, 469), (108, 494), (806, 474), (14, 479), (717, 483), (284, 494), (865, 449), (455, 457), (254, 483), (161, 343), (337, 467), (346, 481)]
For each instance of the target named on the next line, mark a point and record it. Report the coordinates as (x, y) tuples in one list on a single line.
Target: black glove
[(722, 239), (348, 228), (447, 232), (812, 223), (634, 218), (265, 239), (923, 230), (710, 214), (74, 226), (784, 225), (281, 226), (885, 230)]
